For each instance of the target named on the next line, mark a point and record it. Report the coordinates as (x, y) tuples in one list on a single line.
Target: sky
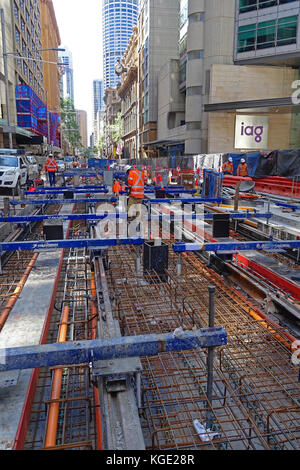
[(80, 27)]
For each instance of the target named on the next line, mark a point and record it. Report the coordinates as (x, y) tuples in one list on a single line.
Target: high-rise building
[(119, 19), (28, 43), (50, 40), (81, 117), (250, 103), (9, 36), (30, 29), (128, 92), (97, 96), (267, 32), (158, 37), (67, 74)]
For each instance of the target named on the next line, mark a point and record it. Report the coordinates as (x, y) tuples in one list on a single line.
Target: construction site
[(176, 331)]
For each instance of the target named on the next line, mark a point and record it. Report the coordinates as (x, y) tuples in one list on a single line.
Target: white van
[(13, 172)]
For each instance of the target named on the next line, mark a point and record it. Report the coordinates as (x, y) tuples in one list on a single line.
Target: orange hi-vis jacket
[(136, 183), (51, 165), (243, 169), (228, 167), (117, 187)]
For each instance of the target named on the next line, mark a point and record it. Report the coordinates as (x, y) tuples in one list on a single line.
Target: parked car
[(13, 172), (33, 167), (69, 163)]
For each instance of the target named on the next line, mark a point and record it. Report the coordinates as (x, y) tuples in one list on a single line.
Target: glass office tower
[(98, 96), (119, 18)]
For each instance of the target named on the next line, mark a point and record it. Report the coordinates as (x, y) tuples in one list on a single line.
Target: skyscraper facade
[(119, 19), (66, 79), (97, 96), (81, 118)]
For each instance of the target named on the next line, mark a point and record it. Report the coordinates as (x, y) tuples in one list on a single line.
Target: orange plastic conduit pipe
[(10, 304), (51, 431), (94, 323)]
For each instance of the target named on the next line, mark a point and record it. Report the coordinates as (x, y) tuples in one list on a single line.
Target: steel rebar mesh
[(75, 428), (255, 382)]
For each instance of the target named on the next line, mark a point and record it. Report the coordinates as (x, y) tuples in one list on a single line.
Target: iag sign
[(251, 132)]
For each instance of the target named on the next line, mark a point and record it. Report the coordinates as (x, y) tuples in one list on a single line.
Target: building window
[(193, 126), (280, 32), (18, 37), (194, 91), (194, 55), (16, 11), (250, 5), (182, 73), (196, 17)]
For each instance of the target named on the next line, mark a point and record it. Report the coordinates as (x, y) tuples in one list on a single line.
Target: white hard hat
[(230, 159), (243, 160)]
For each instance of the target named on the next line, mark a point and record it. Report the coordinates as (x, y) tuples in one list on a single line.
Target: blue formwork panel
[(212, 184)]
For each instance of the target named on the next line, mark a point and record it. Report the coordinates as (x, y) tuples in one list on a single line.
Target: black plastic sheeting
[(279, 163), (284, 163)]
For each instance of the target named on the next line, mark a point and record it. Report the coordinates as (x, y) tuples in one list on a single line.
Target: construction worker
[(136, 184), (228, 167), (159, 180), (117, 188), (51, 168), (243, 169)]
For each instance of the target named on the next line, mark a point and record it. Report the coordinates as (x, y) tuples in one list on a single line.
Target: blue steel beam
[(182, 200), (70, 188), (288, 206), (62, 191), (40, 218), (78, 243), (235, 247), (173, 191), (90, 200), (42, 202), (63, 354)]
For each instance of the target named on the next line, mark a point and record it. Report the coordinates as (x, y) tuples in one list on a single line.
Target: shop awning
[(165, 143), (15, 129)]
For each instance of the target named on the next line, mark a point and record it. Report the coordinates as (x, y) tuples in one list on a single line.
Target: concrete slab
[(24, 328)]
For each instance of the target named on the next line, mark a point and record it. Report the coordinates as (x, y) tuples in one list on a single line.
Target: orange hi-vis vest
[(51, 165), (136, 183), (117, 188), (243, 170), (228, 167)]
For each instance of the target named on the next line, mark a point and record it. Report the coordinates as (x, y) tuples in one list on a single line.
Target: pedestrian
[(117, 188), (51, 168), (136, 184), (159, 180), (228, 167), (243, 169)]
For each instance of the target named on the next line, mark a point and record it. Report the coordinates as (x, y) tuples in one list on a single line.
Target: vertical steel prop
[(210, 359)]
